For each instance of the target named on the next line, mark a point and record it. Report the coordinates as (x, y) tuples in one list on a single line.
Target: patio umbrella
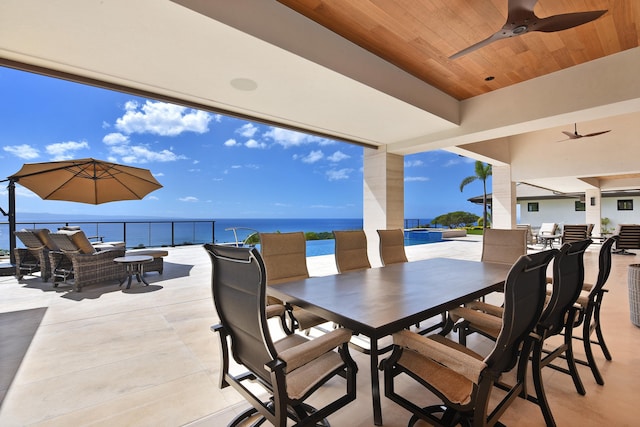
[(86, 181)]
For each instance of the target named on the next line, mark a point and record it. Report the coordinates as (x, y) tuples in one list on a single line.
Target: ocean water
[(155, 232), (152, 232)]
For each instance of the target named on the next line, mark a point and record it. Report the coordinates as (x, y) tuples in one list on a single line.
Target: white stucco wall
[(562, 211)]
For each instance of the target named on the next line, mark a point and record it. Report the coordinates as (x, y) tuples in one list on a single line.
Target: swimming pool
[(418, 237)]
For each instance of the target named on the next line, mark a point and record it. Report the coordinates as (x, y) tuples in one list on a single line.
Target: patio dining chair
[(351, 250), (285, 260), (462, 379), (289, 370), (588, 315), (35, 256), (556, 319), (392, 246)]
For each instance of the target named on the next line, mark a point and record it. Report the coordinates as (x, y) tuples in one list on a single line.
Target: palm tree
[(483, 172)]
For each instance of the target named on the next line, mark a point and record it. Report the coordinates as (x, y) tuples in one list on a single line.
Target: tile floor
[(146, 357)]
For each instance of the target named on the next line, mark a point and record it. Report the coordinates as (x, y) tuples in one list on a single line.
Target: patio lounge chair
[(35, 256), (628, 238), (88, 265), (574, 232)]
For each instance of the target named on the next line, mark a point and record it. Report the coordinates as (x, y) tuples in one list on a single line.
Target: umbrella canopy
[(86, 181)]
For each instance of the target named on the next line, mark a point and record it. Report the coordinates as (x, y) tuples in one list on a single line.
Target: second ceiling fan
[(521, 19), (576, 135)]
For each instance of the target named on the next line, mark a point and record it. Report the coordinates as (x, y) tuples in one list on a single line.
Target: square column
[(503, 198), (383, 196), (593, 209)]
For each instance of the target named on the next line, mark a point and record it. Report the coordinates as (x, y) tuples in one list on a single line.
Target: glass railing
[(135, 234)]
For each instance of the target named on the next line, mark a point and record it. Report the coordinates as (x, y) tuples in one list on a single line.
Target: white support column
[(593, 209), (503, 198), (383, 194)]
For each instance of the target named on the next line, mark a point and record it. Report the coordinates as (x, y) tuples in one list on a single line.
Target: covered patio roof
[(264, 61)]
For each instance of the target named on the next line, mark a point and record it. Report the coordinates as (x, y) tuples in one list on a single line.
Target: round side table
[(135, 267)]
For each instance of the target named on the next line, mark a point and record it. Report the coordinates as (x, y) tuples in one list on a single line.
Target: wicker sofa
[(79, 259)]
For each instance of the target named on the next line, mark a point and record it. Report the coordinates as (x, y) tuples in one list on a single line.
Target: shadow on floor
[(17, 329)]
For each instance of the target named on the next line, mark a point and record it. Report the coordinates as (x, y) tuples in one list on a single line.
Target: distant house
[(537, 205)]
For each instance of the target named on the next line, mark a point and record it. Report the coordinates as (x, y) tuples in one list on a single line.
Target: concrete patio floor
[(145, 356)]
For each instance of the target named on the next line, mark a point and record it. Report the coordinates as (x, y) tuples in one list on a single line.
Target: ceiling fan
[(521, 19), (576, 135)]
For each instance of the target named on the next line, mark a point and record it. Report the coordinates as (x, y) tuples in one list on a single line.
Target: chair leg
[(586, 339), (601, 342), (536, 372), (571, 361)]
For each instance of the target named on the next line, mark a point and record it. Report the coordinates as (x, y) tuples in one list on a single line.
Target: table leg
[(140, 275), (375, 383)]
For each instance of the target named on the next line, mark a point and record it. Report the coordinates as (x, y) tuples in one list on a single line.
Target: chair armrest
[(479, 319), (491, 309), (274, 310), (306, 352), (461, 363)]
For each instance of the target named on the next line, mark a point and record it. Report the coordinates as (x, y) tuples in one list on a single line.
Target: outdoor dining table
[(377, 302)]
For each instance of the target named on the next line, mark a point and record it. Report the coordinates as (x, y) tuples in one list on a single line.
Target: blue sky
[(211, 166)]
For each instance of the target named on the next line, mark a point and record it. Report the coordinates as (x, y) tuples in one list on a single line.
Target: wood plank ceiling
[(419, 36)]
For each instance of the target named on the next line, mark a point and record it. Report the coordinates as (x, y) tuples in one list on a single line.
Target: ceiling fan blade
[(497, 36), (572, 135), (597, 133), (566, 21), (521, 10)]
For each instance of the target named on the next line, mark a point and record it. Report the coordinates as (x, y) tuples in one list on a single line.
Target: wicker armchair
[(87, 265), (35, 256)]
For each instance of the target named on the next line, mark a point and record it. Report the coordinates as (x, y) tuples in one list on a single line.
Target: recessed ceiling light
[(488, 79), (244, 84)]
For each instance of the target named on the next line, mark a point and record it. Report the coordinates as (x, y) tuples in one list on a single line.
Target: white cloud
[(158, 174), (289, 138), (141, 154), (252, 143), (163, 119), (338, 156), (338, 174), (188, 199), (415, 178), (413, 163), (115, 138), (313, 156), (66, 150), (247, 130), (23, 151), (151, 198), (230, 143), (195, 162)]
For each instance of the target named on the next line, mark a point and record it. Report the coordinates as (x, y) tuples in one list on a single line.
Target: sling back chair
[(588, 316), (285, 259), (289, 370), (392, 246), (556, 319), (501, 246), (351, 250), (34, 256), (462, 379), (628, 238), (574, 232), (392, 252)]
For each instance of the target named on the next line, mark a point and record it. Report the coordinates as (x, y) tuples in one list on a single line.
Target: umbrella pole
[(12, 221)]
